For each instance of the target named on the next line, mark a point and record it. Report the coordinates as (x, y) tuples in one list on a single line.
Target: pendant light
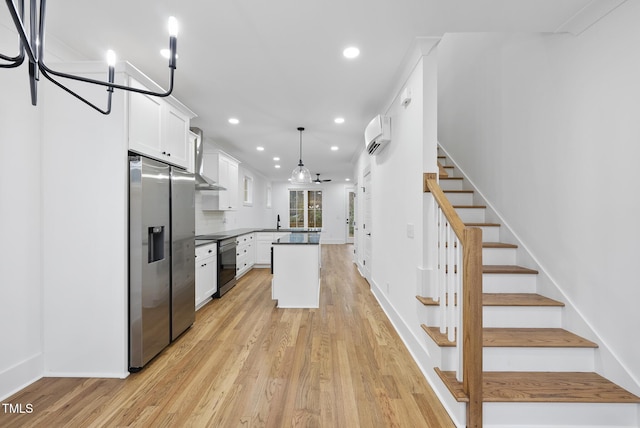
[(300, 174)]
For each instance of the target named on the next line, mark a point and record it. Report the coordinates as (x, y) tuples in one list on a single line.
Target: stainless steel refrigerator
[(161, 257)]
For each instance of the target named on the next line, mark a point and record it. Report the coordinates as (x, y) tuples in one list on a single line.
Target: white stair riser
[(429, 315), (527, 359), (522, 316), (443, 161), (450, 184), (471, 215), (490, 233), (508, 283), (505, 316), (460, 198), (530, 415), (538, 359), (450, 170), (499, 256)]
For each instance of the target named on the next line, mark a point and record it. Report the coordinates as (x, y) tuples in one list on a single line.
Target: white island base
[(296, 274)]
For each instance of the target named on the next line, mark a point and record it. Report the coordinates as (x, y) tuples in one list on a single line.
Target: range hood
[(202, 181)]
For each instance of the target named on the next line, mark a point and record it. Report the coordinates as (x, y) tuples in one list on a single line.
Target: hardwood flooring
[(246, 363)]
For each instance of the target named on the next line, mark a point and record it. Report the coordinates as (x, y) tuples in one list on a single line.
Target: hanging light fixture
[(33, 46), (300, 174)]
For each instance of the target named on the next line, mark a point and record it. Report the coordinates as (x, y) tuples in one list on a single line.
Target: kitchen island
[(296, 271)]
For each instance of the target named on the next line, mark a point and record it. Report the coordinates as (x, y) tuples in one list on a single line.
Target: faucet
[(278, 223)]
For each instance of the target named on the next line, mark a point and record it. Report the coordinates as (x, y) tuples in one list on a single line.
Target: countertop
[(299, 239), (226, 234)]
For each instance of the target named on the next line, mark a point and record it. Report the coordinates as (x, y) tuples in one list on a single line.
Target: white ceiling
[(278, 64)]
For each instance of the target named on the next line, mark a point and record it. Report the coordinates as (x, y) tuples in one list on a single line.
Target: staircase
[(535, 373)]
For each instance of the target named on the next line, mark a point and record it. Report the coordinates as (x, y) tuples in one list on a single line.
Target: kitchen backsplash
[(208, 221)]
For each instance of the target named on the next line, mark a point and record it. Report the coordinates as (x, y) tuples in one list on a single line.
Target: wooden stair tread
[(439, 338), (458, 191), (504, 299), (551, 387), (451, 178), (533, 337), (507, 269), (427, 301), (482, 224), (518, 337), (498, 245), (517, 299)]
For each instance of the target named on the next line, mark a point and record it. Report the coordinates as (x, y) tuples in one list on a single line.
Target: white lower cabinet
[(206, 273), (245, 253), (263, 246)]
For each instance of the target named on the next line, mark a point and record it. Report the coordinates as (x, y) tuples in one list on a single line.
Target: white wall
[(546, 126), (399, 261), (21, 359), (334, 202)]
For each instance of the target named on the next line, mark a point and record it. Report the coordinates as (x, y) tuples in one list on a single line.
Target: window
[(248, 190), (305, 208), (269, 196), (314, 213)]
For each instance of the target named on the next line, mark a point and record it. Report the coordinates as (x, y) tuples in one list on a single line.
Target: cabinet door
[(232, 188), (176, 137), (263, 248), (223, 180), (206, 281), (145, 124)]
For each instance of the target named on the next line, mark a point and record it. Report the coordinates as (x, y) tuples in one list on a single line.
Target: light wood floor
[(247, 363)]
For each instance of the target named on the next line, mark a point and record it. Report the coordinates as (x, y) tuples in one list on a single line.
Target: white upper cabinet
[(222, 168), (158, 129)]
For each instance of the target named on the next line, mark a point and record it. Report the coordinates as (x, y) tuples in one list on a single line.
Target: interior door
[(350, 215), (366, 228)]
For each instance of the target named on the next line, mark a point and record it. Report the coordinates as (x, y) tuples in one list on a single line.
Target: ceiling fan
[(318, 181)]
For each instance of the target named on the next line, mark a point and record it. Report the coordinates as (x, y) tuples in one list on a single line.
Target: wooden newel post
[(472, 324)]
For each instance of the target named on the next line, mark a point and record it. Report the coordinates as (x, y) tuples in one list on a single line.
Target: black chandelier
[(33, 46)]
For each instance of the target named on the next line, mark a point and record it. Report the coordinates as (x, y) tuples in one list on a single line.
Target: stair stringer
[(607, 363)]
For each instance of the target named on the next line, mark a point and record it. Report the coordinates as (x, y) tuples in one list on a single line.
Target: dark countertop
[(299, 239), (201, 242), (226, 234)]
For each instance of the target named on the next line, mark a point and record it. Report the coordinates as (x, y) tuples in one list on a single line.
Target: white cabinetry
[(263, 246), (222, 168), (158, 129), (245, 253), (206, 273), (296, 275)]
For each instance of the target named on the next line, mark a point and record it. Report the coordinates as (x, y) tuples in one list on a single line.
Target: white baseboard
[(21, 375)]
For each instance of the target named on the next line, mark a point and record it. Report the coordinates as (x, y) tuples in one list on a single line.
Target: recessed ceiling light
[(334, 148), (347, 179), (276, 159), (277, 166), (260, 149), (351, 52), (234, 121), (339, 120)]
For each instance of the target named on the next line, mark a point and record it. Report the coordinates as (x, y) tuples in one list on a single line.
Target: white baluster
[(442, 278), (459, 306)]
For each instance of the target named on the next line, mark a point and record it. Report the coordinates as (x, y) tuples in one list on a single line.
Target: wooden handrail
[(471, 340), (431, 185)]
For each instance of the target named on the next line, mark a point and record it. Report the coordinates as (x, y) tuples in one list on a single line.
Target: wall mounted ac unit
[(377, 134)]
